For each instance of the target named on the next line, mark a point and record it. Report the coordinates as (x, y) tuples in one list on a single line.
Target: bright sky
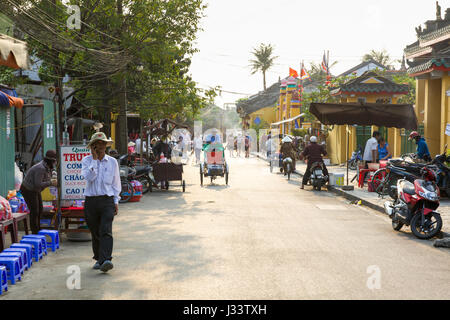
[(299, 30)]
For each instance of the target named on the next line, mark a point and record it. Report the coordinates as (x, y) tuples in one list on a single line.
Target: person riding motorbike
[(313, 153), (288, 151), (422, 147)]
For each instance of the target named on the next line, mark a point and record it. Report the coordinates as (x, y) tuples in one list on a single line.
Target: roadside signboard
[(72, 182)]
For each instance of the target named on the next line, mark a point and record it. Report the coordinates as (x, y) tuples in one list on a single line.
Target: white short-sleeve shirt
[(372, 144)]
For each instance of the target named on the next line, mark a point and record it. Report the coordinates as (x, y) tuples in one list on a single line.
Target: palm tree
[(382, 57), (263, 60)]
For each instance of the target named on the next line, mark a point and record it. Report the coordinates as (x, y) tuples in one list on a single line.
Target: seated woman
[(383, 150)]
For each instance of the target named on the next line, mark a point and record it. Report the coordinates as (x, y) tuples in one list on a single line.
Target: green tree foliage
[(115, 37), (382, 57), (263, 60), (317, 73)]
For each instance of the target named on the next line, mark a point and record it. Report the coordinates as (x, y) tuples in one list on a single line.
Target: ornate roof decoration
[(369, 83)]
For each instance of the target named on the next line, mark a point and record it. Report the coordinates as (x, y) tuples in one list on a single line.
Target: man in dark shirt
[(38, 178), (313, 153)]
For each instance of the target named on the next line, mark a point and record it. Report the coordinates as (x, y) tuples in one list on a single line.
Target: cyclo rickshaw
[(214, 164)]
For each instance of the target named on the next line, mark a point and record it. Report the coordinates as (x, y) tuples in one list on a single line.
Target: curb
[(352, 197)]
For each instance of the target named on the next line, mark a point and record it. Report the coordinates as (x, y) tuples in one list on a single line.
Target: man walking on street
[(102, 198), (36, 180)]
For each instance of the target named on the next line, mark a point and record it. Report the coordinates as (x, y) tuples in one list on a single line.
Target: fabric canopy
[(367, 114), (13, 53), (287, 120)]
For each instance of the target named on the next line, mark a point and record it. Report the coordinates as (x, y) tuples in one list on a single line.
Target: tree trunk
[(264, 80)]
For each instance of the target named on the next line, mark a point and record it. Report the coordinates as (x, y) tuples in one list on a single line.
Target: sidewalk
[(368, 199)]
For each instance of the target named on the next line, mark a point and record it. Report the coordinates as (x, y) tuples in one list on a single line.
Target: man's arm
[(116, 183), (88, 169), (39, 180)]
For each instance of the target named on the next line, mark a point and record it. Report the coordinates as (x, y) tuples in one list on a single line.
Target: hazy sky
[(299, 29)]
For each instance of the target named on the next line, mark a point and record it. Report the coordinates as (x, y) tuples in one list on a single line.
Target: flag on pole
[(293, 73), (325, 64), (304, 74)]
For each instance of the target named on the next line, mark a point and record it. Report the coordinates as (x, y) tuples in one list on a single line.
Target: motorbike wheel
[(396, 224), (271, 167), (167, 185), (288, 170), (353, 165), (146, 184), (127, 192), (429, 229), (319, 188)]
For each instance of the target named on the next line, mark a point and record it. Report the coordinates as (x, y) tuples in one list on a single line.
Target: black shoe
[(96, 266), (106, 266)]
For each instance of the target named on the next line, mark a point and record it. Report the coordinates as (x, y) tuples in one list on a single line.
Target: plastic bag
[(5, 209), (18, 177)]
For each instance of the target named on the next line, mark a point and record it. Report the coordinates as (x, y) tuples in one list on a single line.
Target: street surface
[(261, 237)]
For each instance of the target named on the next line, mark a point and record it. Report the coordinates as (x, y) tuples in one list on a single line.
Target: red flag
[(304, 74), (293, 73)]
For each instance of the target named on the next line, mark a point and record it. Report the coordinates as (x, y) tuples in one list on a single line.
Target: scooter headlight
[(432, 196)]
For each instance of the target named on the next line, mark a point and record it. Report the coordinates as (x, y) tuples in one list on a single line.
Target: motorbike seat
[(408, 187), (141, 169)]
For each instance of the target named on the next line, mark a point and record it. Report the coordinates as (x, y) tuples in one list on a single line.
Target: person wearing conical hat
[(38, 178), (103, 188)]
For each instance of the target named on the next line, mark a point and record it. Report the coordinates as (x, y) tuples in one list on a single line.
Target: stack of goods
[(17, 202)]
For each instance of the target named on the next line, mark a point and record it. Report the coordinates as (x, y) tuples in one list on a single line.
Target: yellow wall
[(445, 116), (432, 115), (268, 114)]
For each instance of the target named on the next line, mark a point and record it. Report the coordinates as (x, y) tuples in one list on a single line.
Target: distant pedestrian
[(198, 145), (370, 152), (103, 188), (383, 150)]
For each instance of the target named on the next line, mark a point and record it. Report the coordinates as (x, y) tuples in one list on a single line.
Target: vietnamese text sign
[(72, 182), (447, 129)]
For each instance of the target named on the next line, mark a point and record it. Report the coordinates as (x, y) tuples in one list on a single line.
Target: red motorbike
[(416, 204)]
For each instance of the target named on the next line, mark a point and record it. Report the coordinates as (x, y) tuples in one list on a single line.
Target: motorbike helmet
[(313, 139), (413, 135)]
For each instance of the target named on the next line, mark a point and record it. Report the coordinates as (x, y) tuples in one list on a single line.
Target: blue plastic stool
[(3, 279), (54, 236), (41, 237), (15, 255), (37, 247), (12, 268), (27, 247), (25, 257)]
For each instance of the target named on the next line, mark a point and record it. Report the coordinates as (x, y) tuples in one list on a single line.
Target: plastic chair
[(12, 268), (37, 247), (25, 257), (40, 237), (15, 255), (27, 247), (54, 236), (3, 279)]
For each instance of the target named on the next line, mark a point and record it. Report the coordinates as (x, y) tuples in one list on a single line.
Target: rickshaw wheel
[(211, 179), (226, 178), (184, 186), (167, 185), (201, 177)]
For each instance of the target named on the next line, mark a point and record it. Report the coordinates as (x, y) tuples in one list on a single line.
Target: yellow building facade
[(288, 105), (368, 88), (429, 64)]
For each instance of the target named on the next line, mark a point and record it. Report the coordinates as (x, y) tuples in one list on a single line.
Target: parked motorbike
[(317, 178), (355, 159), (416, 204), (288, 167), (443, 172), (143, 174)]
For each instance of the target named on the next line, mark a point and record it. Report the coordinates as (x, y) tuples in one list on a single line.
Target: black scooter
[(143, 174), (442, 172)]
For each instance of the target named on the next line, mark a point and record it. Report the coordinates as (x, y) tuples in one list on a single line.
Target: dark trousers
[(34, 204), (308, 172), (99, 212)]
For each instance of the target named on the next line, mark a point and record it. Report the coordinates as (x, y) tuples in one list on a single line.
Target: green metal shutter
[(7, 150)]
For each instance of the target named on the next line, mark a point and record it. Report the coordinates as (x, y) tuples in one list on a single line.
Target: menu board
[(72, 182)]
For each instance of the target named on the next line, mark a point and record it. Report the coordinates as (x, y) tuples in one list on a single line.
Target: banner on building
[(72, 182)]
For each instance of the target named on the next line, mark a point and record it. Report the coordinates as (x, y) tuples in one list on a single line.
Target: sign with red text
[(72, 181)]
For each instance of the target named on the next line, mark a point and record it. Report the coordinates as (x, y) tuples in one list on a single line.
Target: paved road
[(261, 237)]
